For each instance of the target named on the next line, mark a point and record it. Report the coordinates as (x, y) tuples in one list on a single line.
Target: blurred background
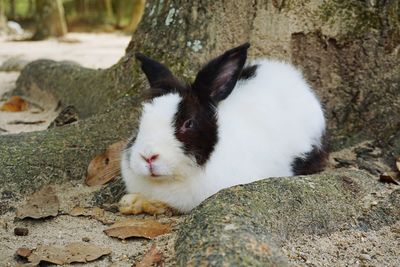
[(40, 19), (90, 33)]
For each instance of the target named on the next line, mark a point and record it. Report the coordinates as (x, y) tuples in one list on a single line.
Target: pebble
[(365, 257), (21, 231), (3, 224), (85, 239)]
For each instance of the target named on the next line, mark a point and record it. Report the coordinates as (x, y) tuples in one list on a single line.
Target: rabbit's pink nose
[(150, 159)]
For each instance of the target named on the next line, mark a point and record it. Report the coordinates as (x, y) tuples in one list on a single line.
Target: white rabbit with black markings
[(233, 125)]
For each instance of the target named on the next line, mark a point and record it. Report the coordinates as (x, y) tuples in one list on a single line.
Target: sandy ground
[(346, 248), (88, 49)]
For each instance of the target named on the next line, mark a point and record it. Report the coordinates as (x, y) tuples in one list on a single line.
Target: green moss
[(355, 18)]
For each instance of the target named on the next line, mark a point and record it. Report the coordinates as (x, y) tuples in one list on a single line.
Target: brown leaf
[(95, 213), (390, 177), (398, 164), (74, 252), (133, 227), (14, 104), (41, 204), (24, 252), (105, 167), (151, 258)]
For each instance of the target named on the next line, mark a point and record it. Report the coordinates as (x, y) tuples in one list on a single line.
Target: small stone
[(21, 231), (85, 239), (303, 256), (3, 224), (365, 257), (395, 230)]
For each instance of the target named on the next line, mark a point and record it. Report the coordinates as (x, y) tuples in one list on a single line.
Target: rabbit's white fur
[(263, 125)]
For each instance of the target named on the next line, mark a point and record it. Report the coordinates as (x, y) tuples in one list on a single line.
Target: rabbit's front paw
[(136, 204)]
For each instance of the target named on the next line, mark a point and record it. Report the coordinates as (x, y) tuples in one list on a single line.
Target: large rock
[(243, 225)]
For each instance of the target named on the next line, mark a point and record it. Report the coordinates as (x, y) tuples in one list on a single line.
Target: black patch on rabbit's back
[(314, 161), (248, 72)]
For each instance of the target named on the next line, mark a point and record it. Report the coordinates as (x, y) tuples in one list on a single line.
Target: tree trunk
[(3, 18), (11, 14), (50, 19), (137, 14), (118, 14), (108, 8), (31, 8), (80, 6)]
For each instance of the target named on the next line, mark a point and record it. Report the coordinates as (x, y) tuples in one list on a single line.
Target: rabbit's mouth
[(153, 174), (156, 174)]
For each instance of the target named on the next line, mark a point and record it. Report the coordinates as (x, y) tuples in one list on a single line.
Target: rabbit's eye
[(187, 125)]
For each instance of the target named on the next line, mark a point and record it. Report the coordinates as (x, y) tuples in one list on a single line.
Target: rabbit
[(234, 124)]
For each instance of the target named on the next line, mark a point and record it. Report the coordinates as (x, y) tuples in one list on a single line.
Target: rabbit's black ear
[(158, 75), (219, 76)]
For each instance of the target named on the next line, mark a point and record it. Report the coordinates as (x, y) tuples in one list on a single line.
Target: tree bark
[(50, 19)]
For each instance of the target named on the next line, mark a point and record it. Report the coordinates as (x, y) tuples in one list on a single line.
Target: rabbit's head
[(178, 128)]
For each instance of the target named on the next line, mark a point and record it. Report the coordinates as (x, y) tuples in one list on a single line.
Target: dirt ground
[(64, 229), (346, 248), (92, 50)]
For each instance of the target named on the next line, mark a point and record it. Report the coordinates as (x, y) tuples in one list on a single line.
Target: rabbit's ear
[(219, 76), (158, 75)]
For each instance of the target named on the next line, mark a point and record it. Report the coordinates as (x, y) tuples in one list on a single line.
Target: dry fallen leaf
[(41, 204), (95, 213), (398, 164), (151, 258), (24, 252), (74, 252), (390, 177), (133, 227), (14, 104), (105, 167)]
